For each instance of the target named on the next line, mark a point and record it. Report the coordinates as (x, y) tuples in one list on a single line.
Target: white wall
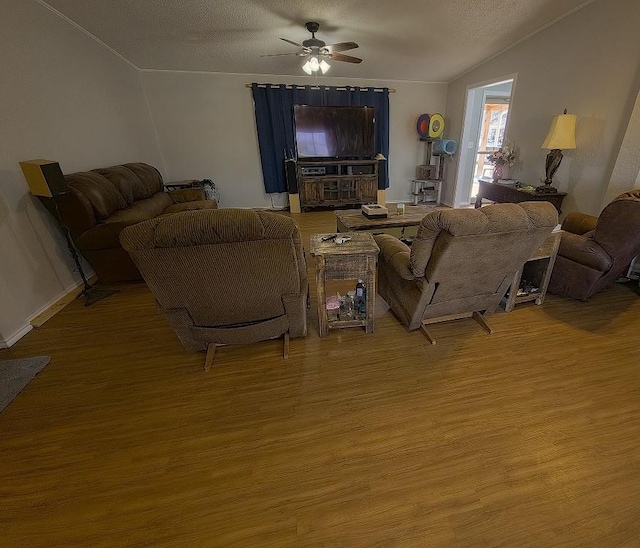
[(626, 172), (588, 63), (206, 128), (65, 98)]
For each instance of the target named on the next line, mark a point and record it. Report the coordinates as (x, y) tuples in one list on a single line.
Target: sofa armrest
[(183, 195), (584, 251), (103, 236), (579, 223), (396, 254)]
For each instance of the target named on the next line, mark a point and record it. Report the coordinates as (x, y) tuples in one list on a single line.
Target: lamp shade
[(562, 134), (44, 177)]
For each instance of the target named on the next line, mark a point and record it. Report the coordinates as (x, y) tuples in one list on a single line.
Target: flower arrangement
[(504, 156)]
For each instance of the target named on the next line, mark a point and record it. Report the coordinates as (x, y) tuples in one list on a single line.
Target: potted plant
[(504, 156)]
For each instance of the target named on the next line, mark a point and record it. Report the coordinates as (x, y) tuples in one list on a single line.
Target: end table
[(352, 260), (549, 251)]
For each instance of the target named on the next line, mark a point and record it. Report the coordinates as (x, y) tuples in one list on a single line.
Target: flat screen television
[(334, 132)]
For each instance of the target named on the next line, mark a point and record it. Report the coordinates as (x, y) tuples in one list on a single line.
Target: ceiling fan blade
[(342, 46), (292, 42), (345, 58), (280, 54)]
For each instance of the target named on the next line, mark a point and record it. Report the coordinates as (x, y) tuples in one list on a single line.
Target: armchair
[(595, 251), (228, 276), (461, 262)]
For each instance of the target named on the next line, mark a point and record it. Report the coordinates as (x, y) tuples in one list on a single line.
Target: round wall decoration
[(436, 126), (422, 126)]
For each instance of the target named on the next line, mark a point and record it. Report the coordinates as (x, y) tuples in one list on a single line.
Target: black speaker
[(44, 177), (382, 174), (291, 175)]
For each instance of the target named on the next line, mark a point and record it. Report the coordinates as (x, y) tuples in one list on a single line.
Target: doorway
[(485, 126)]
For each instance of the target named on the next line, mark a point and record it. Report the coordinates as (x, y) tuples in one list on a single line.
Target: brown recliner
[(595, 251), (228, 276), (461, 262), (100, 203)]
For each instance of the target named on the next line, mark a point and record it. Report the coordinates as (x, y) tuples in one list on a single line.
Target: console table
[(501, 192)]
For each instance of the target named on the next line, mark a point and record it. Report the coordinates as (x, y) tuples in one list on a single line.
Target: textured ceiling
[(418, 40)]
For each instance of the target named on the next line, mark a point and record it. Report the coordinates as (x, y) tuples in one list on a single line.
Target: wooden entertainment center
[(331, 183)]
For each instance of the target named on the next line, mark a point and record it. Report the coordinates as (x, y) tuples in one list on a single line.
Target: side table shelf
[(547, 251)]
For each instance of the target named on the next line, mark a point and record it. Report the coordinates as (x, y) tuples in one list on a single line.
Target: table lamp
[(562, 135), (47, 182)]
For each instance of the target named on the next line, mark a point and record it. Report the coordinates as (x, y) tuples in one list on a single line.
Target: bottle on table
[(349, 306), (361, 300)]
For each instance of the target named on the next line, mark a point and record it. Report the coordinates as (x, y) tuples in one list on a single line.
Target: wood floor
[(527, 437)]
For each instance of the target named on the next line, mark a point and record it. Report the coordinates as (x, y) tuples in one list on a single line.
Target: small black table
[(512, 193)]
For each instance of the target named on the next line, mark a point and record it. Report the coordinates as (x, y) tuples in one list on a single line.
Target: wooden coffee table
[(348, 220)]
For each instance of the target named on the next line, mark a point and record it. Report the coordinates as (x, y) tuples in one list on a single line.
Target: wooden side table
[(548, 250), (503, 193), (352, 260)]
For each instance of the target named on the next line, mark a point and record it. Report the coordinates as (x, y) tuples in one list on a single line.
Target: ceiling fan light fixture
[(316, 52)]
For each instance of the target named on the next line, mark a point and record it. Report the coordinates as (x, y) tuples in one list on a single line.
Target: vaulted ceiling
[(417, 40)]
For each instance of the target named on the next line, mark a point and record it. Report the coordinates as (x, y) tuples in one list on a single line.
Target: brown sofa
[(100, 203), (595, 251), (461, 262), (230, 276)]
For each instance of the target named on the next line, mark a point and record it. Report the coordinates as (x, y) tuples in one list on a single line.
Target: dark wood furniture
[(352, 260), (353, 219), (548, 251), (334, 183), (504, 193)]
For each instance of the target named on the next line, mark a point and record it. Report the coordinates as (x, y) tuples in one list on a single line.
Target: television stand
[(336, 183)]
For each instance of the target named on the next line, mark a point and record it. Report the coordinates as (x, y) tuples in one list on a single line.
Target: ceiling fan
[(318, 52)]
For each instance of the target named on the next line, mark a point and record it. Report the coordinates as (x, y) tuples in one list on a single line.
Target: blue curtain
[(274, 120)]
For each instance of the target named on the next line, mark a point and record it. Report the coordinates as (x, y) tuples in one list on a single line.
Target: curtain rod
[(391, 90)]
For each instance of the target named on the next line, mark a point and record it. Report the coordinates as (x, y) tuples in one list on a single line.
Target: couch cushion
[(150, 177), (187, 195), (101, 193), (126, 181), (191, 206), (142, 210)]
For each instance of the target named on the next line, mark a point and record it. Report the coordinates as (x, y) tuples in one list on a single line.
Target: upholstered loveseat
[(102, 202)]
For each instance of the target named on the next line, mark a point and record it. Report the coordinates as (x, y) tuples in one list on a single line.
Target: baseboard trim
[(46, 312), (13, 339), (56, 304)]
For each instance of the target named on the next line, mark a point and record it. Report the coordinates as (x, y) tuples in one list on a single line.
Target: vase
[(498, 172)]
